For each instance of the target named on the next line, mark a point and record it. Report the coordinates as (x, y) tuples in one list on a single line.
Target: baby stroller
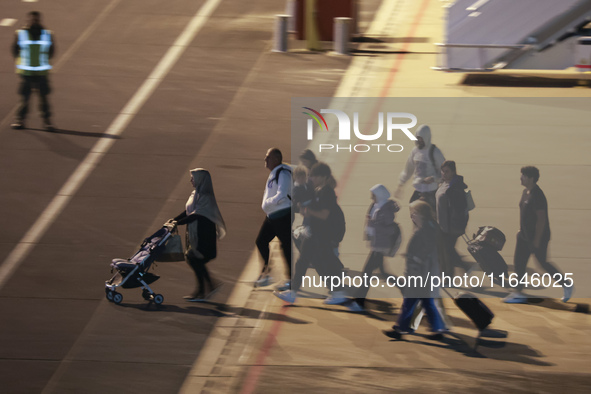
[(133, 272)]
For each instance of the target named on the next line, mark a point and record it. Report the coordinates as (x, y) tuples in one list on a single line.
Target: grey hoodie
[(420, 165)]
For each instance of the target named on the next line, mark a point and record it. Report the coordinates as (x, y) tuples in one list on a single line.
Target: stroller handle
[(171, 225)]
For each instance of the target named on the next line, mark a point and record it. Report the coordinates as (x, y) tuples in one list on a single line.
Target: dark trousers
[(271, 228), (448, 255), (41, 84), (428, 197), (523, 250), (206, 251), (321, 255), (407, 311), (375, 261), (201, 273)]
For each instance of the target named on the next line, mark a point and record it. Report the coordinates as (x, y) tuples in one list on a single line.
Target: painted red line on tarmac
[(255, 370), (389, 81)]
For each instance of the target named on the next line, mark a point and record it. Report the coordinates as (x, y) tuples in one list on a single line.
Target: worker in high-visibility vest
[(32, 48)]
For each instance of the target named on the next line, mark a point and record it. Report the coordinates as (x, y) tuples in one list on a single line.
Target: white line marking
[(59, 202), (7, 22), (29, 1)]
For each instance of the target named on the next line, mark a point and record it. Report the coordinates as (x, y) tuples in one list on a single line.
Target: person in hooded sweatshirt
[(383, 236), (423, 164), (205, 226), (452, 216)]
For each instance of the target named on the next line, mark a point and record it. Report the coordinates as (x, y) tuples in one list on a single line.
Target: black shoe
[(435, 337), (394, 334), (48, 125), (196, 296), (18, 125)]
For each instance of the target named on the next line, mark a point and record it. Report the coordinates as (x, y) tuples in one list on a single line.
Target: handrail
[(483, 64), (522, 46)]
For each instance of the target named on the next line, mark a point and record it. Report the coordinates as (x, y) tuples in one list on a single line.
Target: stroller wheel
[(110, 294), (158, 299), (117, 297)]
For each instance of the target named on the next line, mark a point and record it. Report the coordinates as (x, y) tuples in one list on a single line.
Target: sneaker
[(18, 124), (284, 286), (438, 336), (199, 297), (263, 280), (336, 298), (354, 306), (515, 298), (393, 333), (568, 293), (48, 125), (287, 296)]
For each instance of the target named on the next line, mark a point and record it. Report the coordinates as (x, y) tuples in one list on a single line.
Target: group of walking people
[(438, 209)]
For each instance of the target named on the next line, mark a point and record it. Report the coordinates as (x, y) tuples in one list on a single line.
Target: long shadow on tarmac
[(77, 133), (216, 310), (495, 350)]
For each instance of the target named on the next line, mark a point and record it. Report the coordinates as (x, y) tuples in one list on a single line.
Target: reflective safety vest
[(34, 54)]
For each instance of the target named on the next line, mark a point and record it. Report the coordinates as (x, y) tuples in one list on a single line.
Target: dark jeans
[(448, 255), (321, 255), (428, 197), (271, 228), (406, 314), (41, 84), (523, 250)]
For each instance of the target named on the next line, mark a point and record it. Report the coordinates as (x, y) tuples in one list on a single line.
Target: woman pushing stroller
[(205, 226)]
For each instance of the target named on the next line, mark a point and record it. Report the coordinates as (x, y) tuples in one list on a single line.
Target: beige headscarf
[(202, 200)]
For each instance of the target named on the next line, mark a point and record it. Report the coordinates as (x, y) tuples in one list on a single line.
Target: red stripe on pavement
[(389, 81), (255, 370)]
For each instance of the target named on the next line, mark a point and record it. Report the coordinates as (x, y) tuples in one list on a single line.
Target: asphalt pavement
[(220, 106)]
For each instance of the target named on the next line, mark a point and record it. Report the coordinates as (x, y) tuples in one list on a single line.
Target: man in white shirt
[(277, 207)]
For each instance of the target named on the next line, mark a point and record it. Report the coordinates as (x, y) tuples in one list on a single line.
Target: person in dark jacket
[(421, 261), (318, 249), (205, 226), (452, 216)]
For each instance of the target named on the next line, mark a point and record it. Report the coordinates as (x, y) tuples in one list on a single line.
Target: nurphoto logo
[(395, 121)]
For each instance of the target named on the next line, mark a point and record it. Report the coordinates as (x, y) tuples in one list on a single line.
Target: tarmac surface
[(220, 106)]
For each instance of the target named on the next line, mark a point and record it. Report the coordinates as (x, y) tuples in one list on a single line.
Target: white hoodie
[(277, 191), (420, 164)]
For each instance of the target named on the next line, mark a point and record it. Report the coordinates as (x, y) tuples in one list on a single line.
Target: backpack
[(338, 227), (432, 158), (490, 236), (276, 179)]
